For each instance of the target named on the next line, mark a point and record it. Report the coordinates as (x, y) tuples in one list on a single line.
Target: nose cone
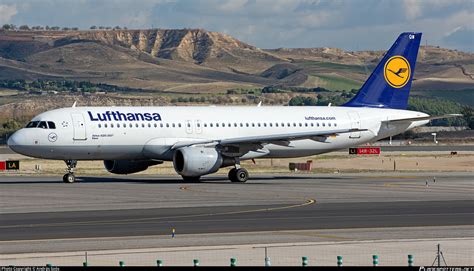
[(16, 140)]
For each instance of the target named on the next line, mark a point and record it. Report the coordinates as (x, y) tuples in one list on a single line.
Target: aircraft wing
[(279, 139), (423, 118)]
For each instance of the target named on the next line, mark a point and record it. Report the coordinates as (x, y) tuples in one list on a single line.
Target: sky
[(351, 24)]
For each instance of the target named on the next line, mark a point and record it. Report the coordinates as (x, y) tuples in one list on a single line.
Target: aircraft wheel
[(231, 175), (69, 178), (241, 175)]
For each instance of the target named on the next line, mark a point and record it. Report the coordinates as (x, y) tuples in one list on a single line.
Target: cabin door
[(355, 124), (79, 126)]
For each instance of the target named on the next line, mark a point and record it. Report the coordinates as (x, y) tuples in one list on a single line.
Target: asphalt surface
[(222, 219), (34, 208)]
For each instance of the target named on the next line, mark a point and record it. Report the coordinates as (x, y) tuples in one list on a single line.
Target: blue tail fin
[(389, 84)]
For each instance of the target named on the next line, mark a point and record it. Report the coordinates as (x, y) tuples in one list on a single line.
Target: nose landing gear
[(69, 176)]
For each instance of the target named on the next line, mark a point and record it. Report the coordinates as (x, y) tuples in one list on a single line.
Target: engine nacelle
[(128, 166), (198, 161)]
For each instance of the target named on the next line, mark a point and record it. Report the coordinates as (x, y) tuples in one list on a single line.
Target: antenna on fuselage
[(259, 104), (74, 104)]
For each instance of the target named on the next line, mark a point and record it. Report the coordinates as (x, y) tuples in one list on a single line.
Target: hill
[(196, 61)]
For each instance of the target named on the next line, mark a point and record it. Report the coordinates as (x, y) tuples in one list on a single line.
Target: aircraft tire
[(231, 175), (241, 175), (69, 178)]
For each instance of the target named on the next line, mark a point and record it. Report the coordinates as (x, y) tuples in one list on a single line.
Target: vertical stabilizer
[(389, 84)]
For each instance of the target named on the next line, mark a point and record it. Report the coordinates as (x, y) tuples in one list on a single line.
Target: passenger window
[(264, 124), (294, 124), (324, 124), (167, 125), (118, 125), (205, 124), (161, 125), (179, 125), (247, 124), (253, 124), (51, 125), (271, 125), (105, 125), (223, 124), (259, 124), (317, 124), (306, 124), (312, 124), (174, 125), (100, 126), (235, 124), (124, 125), (329, 124), (217, 124), (136, 125), (210, 125), (43, 125), (111, 125), (130, 125), (335, 124)]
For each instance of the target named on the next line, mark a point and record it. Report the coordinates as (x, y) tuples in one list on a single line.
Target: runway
[(220, 219), (34, 208)]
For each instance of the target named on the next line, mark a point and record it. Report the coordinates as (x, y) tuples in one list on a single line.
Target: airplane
[(200, 140)]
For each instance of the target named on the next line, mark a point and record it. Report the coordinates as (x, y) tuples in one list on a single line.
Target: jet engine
[(197, 161), (128, 166)]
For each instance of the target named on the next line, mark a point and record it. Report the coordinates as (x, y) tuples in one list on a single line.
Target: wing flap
[(278, 139)]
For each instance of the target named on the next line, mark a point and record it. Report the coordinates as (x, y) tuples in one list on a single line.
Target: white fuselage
[(135, 133)]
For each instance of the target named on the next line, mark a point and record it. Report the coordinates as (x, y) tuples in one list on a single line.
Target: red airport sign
[(9, 165), (365, 150)]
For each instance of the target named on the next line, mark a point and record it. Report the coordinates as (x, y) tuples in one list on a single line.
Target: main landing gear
[(238, 174), (69, 176)]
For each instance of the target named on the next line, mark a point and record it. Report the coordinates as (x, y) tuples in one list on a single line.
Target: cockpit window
[(32, 124), (43, 125), (51, 125)]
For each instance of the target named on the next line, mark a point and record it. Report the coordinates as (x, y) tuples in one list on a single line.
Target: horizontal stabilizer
[(425, 118)]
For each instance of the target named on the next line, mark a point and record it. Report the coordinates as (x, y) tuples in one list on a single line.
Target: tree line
[(63, 86)]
